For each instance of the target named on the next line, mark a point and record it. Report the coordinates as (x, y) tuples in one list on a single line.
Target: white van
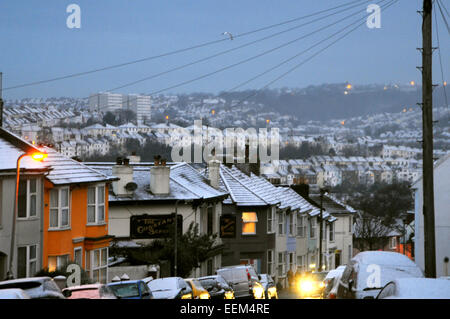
[(369, 271)]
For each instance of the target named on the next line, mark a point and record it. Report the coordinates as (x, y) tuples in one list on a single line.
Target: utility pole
[(427, 123)]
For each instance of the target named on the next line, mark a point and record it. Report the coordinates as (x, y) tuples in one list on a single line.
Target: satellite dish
[(131, 186)]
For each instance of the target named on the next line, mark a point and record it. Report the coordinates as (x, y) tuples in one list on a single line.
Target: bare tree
[(371, 232)]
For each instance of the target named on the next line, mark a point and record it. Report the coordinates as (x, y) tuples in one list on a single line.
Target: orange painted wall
[(60, 242)]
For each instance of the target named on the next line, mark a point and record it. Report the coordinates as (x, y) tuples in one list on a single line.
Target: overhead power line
[(153, 76), (110, 67), (254, 56), (309, 58)]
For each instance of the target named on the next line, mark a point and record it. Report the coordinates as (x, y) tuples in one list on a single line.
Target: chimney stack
[(214, 173), (124, 171), (160, 177), (134, 158)]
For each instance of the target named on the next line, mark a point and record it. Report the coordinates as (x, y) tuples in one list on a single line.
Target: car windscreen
[(208, 283), (125, 290), (163, 284)]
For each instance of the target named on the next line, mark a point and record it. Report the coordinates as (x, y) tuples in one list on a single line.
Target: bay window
[(97, 264), (27, 198)]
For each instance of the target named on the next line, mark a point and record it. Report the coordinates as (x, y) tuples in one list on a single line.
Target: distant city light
[(345, 92), (267, 121), (167, 117), (213, 112), (404, 110), (349, 86), (343, 122), (445, 83), (412, 83)]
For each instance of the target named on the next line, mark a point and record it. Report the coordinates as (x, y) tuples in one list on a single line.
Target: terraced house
[(62, 215)]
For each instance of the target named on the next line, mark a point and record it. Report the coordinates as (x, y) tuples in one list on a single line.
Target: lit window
[(249, 221), (56, 262)]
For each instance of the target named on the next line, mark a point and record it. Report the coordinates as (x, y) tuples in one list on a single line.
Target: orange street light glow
[(445, 83), (167, 117), (39, 156), (213, 112), (412, 83), (349, 86), (343, 122), (267, 121)]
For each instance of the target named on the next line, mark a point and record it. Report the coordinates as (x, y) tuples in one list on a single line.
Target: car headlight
[(272, 291), (306, 286), (229, 295), (204, 295), (186, 296), (258, 292), (321, 284)]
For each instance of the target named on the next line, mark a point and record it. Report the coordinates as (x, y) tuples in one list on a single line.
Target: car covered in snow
[(369, 271), (13, 293), (170, 288), (331, 282), (130, 289), (35, 287), (91, 291), (416, 288)]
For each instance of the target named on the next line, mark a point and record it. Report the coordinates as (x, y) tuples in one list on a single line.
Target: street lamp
[(37, 156)]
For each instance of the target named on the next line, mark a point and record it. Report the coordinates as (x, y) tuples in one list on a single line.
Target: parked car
[(131, 289), (331, 282), (244, 281), (416, 288), (217, 287), (369, 271), (311, 285), (170, 288), (35, 287), (93, 291), (198, 291), (270, 288), (13, 293)]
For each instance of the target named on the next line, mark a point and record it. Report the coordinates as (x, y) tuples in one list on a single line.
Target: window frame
[(28, 195), (249, 222), (90, 265), (331, 232), (59, 260), (80, 249), (270, 261), (281, 264), (313, 228), (28, 259), (60, 208), (271, 220), (96, 205), (281, 223)]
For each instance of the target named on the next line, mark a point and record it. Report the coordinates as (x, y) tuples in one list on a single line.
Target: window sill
[(27, 218), (96, 224), (60, 229), (249, 234)]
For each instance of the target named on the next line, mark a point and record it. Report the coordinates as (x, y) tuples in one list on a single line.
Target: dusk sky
[(36, 45)]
